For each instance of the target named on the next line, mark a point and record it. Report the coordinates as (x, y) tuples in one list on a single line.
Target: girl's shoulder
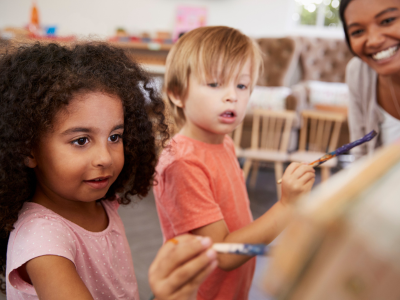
[(31, 211)]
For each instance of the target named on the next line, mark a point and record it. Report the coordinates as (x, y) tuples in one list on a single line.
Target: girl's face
[(83, 154), (373, 27)]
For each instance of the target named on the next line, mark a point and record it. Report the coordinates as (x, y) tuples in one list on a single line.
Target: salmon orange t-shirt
[(199, 184)]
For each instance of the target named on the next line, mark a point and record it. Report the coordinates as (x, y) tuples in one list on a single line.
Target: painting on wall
[(188, 18)]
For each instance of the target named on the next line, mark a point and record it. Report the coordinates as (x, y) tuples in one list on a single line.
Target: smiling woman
[(372, 29)]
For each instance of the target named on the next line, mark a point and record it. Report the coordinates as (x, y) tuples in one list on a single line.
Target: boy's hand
[(180, 266), (297, 180)]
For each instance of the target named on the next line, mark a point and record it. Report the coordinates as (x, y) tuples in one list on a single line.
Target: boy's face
[(83, 155), (213, 109)]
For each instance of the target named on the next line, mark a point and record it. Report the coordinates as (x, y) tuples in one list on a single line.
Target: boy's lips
[(228, 116), (98, 183)]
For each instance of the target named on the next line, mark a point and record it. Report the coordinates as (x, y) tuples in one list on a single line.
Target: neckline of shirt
[(74, 225), (203, 144)]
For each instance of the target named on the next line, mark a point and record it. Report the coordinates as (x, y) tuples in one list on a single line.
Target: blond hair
[(213, 52)]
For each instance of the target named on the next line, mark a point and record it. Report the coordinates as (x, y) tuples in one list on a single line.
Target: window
[(320, 13)]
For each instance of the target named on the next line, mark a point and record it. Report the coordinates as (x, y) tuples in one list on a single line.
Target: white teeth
[(385, 53)]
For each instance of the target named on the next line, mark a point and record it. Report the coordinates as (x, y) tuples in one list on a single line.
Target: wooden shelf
[(143, 46)]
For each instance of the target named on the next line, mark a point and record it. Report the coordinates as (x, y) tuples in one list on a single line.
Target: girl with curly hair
[(80, 128)]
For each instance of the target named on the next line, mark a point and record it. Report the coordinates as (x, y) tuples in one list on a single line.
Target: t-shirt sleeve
[(187, 199), (37, 237)]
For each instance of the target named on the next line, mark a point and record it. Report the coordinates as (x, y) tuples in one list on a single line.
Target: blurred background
[(304, 78), (256, 18)]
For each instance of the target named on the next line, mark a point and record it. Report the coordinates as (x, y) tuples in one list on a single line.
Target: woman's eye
[(81, 141), (115, 138), (242, 86), (356, 32), (213, 84), (388, 21)]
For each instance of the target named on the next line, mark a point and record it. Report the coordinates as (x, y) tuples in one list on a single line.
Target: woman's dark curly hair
[(342, 9), (37, 81)]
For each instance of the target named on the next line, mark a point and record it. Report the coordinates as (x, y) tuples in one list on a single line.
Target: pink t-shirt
[(102, 259), (199, 184)]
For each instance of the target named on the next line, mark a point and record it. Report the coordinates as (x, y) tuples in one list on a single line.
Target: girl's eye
[(242, 86), (115, 138), (81, 141), (213, 84), (388, 21)]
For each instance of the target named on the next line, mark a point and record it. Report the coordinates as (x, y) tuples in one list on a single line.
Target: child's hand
[(297, 180), (180, 266)]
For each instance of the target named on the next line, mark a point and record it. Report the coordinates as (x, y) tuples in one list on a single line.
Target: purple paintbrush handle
[(351, 145)]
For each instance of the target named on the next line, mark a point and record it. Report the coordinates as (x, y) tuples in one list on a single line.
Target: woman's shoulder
[(358, 72)]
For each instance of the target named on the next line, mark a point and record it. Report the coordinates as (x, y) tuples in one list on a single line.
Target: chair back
[(280, 57), (271, 129), (323, 59), (320, 130), (236, 135)]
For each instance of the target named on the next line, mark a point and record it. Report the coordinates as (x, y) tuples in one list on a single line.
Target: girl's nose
[(102, 157)]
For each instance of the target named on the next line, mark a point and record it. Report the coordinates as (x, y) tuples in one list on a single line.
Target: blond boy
[(210, 74)]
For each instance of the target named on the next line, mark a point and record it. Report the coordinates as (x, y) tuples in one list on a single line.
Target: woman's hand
[(297, 180), (180, 266)]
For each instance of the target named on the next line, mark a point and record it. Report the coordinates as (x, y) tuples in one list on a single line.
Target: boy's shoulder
[(182, 149)]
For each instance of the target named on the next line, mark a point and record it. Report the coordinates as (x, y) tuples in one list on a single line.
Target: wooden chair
[(269, 142), (319, 134), (236, 136)]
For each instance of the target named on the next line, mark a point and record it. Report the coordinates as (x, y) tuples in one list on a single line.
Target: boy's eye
[(213, 84), (81, 141), (242, 86), (115, 138)]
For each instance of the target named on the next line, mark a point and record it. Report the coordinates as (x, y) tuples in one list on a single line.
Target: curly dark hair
[(342, 9), (37, 81)]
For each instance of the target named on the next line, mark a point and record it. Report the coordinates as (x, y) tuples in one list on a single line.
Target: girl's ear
[(175, 100), (30, 161)]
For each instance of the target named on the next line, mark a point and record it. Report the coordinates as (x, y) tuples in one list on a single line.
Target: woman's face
[(373, 27)]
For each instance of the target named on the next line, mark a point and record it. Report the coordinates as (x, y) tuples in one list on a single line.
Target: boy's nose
[(102, 157), (231, 94)]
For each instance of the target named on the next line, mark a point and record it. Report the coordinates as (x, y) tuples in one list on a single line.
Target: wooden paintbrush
[(341, 150)]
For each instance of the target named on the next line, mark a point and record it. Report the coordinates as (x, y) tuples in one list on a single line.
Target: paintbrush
[(242, 249), (341, 150)]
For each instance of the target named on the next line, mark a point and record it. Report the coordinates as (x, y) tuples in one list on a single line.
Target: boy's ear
[(30, 161), (176, 100)]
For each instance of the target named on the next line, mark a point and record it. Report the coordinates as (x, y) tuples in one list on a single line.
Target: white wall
[(256, 18), (101, 17)]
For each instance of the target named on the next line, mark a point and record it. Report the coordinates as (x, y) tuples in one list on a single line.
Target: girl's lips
[(98, 184)]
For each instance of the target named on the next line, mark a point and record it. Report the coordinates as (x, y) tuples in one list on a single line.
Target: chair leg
[(325, 173), (254, 173), (278, 175), (246, 169)]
